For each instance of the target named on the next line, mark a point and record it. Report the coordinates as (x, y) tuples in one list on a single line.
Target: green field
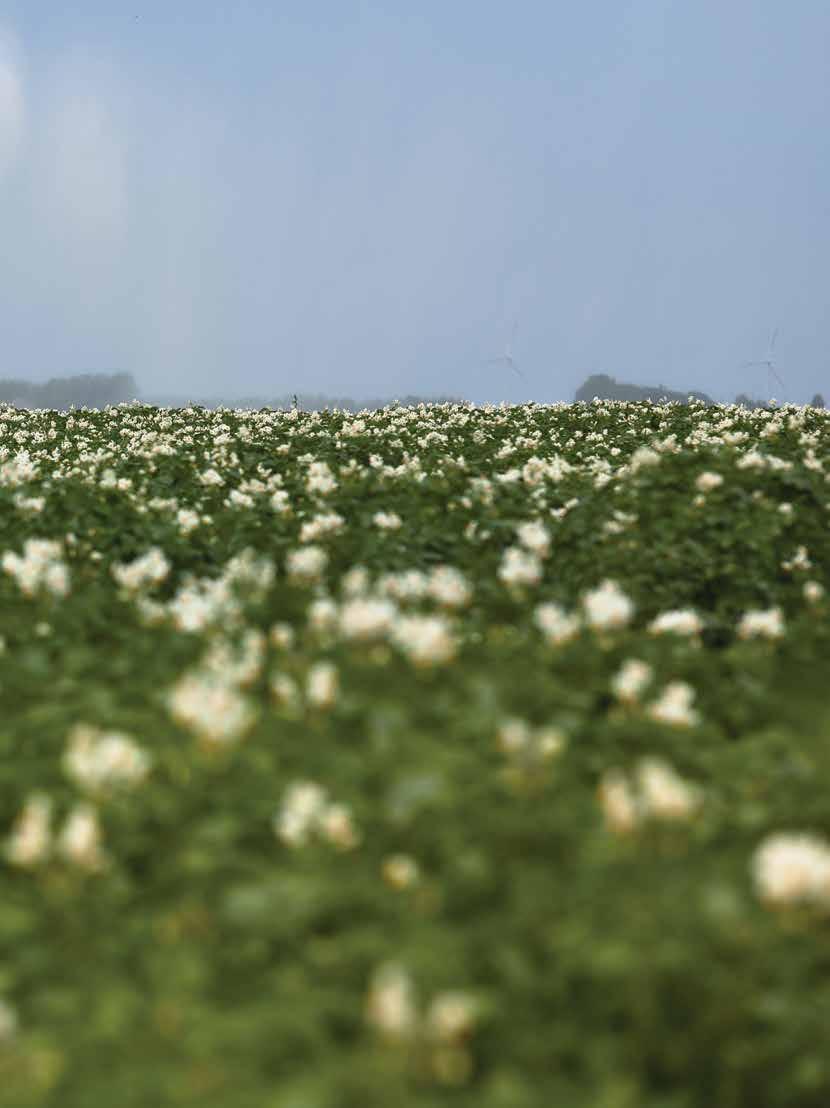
[(419, 757)]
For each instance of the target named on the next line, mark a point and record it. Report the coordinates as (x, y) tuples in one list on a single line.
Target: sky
[(373, 199)]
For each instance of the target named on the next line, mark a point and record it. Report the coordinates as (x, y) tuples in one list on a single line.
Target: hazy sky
[(361, 197)]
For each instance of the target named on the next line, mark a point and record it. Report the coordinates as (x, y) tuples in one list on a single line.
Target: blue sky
[(361, 198)]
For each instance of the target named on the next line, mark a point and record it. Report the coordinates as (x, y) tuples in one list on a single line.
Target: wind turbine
[(769, 362), (506, 358)]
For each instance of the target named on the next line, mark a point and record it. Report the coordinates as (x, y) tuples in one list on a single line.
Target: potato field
[(449, 755)]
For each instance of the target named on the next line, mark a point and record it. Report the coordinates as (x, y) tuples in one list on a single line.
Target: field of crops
[(419, 757)]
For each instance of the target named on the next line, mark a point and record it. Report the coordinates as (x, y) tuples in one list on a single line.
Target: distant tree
[(90, 390), (817, 401), (607, 388), (16, 392)]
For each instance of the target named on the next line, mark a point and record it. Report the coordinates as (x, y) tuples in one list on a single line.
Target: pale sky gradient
[(361, 197)]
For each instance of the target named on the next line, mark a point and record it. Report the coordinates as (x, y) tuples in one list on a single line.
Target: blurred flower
[(30, 840), (792, 868), (682, 621), (708, 481), (306, 564), (390, 1006), (322, 685), (535, 537), (97, 759), (607, 607), (426, 640), (674, 706), (665, 795), (519, 567), (767, 624), (387, 521), (80, 840), (555, 624), (813, 591), (451, 1016), (400, 871), (620, 806), (631, 679), (337, 826)]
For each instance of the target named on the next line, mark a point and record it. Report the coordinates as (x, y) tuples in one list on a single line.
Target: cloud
[(12, 103)]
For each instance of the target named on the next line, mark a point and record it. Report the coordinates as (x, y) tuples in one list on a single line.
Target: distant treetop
[(607, 388)]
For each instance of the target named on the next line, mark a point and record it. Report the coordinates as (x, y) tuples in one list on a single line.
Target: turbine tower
[(506, 359), (769, 363)]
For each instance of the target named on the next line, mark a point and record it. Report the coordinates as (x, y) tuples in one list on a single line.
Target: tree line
[(86, 390), (608, 388)]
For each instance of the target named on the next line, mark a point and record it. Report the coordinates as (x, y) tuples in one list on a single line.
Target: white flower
[(390, 1006), (355, 581), (280, 502), (322, 614), (320, 479), (239, 499), (631, 679), (682, 621), (550, 741), (328, 523), (366, 618), (387, 521), (307, 564), (799, 560), (80, 840), (555, 624), (187, 520), (302, 808), (322, 685), (514, 735), (620, 807), (149, 569), (708, 481), (41, 567), (236, 663), (30, 840), (767, 624), (607, 606), (675, 705), (664, 793), (284, 690), (210, 708), (813, 591), (211, 477), (337, 826), (642, 456), (519, 567), (660, 794), (282, 635), (426, 640), (449, 587), (33, 504), (791, 868), (535, 537), (96, 759)]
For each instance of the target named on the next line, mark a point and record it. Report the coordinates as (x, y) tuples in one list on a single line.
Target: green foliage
[(212, 962)]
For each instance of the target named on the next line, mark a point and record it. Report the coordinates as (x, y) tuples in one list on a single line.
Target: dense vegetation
[(430, 756)]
